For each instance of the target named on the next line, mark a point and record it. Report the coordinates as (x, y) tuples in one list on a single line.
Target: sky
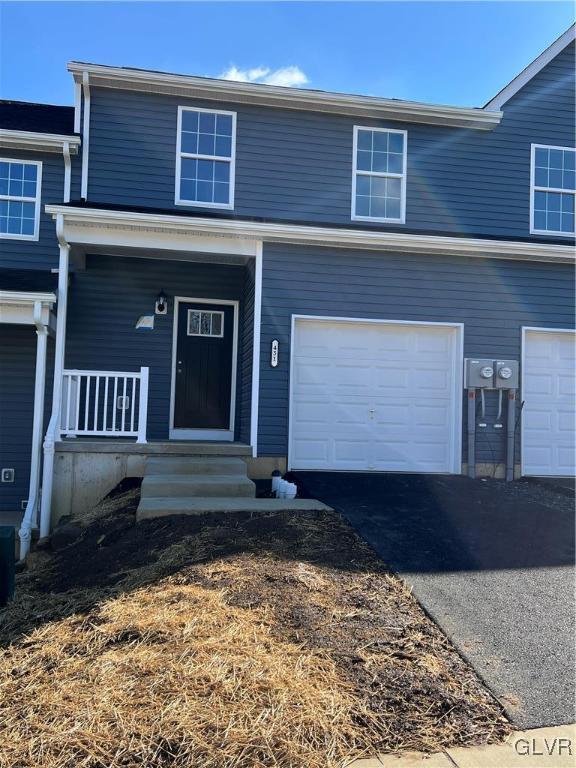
[(459, 53)]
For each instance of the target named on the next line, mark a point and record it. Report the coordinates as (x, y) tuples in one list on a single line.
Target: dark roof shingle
[(38, 118)]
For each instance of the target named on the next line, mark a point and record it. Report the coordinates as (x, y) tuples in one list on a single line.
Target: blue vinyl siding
[(493, 299), (297, 165), (106, 300), (41, 253), (17, 367)]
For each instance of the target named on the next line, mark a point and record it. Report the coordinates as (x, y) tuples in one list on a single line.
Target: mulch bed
[(301, 649)]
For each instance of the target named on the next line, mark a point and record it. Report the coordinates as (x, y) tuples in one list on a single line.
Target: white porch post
[(53, 432), (256, 349), (143, 405), (30, 515)]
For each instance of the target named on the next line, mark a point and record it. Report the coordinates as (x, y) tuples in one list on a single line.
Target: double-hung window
[(553, 190), (379, 175), (20, 184), (206, 150)]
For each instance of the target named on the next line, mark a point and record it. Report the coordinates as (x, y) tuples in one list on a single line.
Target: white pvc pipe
[(85, 136), (53, 432), (30, 514), (67, 171)]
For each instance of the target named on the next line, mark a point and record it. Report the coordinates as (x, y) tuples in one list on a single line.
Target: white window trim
[(402, 176), (36, 235), (534, 188), (179, 155)]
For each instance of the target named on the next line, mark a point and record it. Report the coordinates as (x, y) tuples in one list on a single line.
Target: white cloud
[(287, 76)]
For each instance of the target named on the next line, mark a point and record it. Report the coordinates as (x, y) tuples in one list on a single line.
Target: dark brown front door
[(204, 352)]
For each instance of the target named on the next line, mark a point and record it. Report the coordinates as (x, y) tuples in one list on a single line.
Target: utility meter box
[(506, 374), (478, 373)]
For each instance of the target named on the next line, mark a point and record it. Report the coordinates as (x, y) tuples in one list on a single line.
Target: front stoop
[(553, 747), (175, 485)]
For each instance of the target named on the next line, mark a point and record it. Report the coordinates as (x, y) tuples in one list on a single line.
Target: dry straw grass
[(232, 644), (172, 676)]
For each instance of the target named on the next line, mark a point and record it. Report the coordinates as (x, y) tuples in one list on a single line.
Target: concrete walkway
[(537, 748)]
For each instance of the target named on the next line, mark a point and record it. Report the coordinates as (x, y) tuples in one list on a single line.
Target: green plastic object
[(7, 563)]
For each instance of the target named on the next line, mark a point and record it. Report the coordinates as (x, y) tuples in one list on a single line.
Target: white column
[(53, 432), (30, 515), (143, 405), (256, 350)]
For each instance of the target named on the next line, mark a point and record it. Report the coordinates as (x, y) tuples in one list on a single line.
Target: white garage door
[(549, 415), (379, 396)]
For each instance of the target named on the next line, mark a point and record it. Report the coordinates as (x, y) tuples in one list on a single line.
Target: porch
[(157, 353)]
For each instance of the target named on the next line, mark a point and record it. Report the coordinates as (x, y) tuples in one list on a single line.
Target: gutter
[(39, 142), (80, 220), (288, 98)]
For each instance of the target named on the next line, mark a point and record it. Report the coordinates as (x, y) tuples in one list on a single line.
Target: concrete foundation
[(87, 470)]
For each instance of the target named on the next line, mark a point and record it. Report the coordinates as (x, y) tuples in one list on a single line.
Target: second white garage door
[(549, 414), (375, 396)]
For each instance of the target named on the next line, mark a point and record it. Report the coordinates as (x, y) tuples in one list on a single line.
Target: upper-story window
[(205, 158), (20, 183), (553, 191), (379, 175)]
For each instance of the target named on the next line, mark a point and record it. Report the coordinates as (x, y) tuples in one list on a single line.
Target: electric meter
[(507, 374)]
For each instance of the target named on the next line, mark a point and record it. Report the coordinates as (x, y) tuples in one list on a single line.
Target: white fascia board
[(288, 98), (496, 104), (18, 307), (165, 228), (39, 142), (27, 297)]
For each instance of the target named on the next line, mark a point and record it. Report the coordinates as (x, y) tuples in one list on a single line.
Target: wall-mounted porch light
[(161, 303)]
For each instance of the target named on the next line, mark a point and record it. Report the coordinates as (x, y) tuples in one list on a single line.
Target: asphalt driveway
[(491, 562)]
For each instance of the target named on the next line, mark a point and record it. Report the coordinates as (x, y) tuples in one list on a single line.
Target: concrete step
[(195, 465), (153, 507), (171, 486)]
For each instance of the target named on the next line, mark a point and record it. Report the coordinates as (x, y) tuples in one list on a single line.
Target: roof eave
[(27, 297), (287, 98), (315, 235), (38, 142), (496, 104)]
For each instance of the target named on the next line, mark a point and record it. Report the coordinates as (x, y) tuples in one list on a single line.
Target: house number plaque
[(274, 353)]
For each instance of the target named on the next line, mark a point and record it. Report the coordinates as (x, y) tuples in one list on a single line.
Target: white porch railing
[(105, 404)]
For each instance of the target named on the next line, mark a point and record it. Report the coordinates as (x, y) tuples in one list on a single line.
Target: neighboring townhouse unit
[(297, 273)]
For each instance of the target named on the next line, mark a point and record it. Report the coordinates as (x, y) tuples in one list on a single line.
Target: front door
[(204, 374)]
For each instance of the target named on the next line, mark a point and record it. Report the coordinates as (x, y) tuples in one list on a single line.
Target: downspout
[(53, 431), (510, 435), (85, 135), (30, 514), (67, 171)]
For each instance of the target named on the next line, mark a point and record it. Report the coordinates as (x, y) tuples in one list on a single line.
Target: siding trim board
[(92, 223)]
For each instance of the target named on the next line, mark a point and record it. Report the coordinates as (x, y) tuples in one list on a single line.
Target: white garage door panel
[(549, 413), (374, 396)]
